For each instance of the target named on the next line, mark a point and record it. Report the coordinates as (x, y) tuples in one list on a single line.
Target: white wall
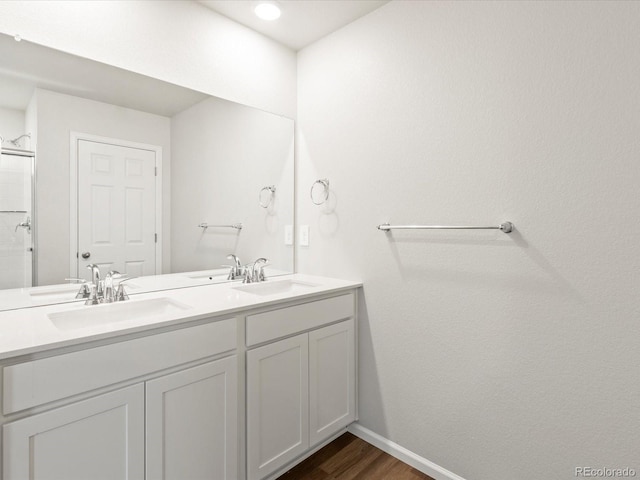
[(236, 151), (57, 116), (498, 357), (11, 125), (181, 42)]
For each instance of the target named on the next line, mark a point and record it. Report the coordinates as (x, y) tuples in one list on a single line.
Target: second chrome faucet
[(255, 272), (249, 273)]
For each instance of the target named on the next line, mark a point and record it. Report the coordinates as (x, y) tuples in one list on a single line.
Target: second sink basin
[(210, 277), (95, 315), (275, 287)]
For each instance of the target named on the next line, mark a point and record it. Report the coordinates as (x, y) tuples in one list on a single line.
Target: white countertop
[(14, 298), (31, 330)]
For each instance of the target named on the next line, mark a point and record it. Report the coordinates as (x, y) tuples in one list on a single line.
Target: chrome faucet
[(236, 270), (103, 291), (253, 273)]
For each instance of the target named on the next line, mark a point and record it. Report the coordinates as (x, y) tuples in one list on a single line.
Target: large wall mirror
[(132, 174)]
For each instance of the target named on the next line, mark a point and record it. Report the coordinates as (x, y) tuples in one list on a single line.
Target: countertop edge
[(223, 313)]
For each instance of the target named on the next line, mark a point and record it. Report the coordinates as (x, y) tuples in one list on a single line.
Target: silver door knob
[(86, 255)]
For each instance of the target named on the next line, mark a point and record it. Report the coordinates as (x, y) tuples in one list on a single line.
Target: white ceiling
[(302, 21)]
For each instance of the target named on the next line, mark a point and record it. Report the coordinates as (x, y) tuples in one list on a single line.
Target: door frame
[(74, 140)]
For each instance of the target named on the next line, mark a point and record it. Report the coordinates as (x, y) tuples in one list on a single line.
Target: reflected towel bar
[(237, 226), (13, 211), (506, 227)]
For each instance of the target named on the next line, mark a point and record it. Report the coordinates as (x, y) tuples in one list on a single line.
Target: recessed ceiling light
[(267, 11)]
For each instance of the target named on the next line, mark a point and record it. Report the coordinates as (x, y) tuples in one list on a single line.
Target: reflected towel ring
[(325, 183), (265, 200)]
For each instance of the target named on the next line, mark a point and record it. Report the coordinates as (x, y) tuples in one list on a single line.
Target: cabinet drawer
[(267, 326), (29, 384)]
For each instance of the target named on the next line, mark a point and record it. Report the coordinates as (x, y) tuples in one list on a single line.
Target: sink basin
[(94, 315), (212, 277), (276, 287)]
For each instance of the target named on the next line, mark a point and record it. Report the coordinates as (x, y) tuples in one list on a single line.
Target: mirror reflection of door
[(116, 209)]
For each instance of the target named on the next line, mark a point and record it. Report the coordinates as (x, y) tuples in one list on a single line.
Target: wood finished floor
[(350, 458)]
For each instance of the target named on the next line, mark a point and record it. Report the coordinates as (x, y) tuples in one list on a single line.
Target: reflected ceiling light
[(267, 11)]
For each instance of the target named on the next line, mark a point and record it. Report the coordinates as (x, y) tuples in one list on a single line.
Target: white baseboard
[(401, 453)]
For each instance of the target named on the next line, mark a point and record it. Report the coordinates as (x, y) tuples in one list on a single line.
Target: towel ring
[(263, 200), (325, 184)]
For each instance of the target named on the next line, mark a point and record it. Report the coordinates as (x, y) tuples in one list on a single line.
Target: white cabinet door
[(99, 438), (192, 425), (277, 405), (331, 380)]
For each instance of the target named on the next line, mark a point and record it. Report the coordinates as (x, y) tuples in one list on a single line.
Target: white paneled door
[(116, 208)]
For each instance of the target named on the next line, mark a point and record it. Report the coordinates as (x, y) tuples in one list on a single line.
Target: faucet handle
[(247, 272), (121, 294), (124, 278), (84, 292), (234, 271), (261, 276), (93, 298)]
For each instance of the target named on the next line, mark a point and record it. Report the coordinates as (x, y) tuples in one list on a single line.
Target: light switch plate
[(304, 235), (288, 234)]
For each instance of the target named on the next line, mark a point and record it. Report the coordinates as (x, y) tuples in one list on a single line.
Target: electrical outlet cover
[(304, 235)]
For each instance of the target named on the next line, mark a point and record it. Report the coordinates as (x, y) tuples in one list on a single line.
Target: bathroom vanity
[(219, 382)]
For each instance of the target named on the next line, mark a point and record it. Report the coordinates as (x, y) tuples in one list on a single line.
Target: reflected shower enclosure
[(16, 218)]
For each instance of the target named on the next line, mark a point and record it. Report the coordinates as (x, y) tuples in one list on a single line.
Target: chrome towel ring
[(265, 197), (324, 196)]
